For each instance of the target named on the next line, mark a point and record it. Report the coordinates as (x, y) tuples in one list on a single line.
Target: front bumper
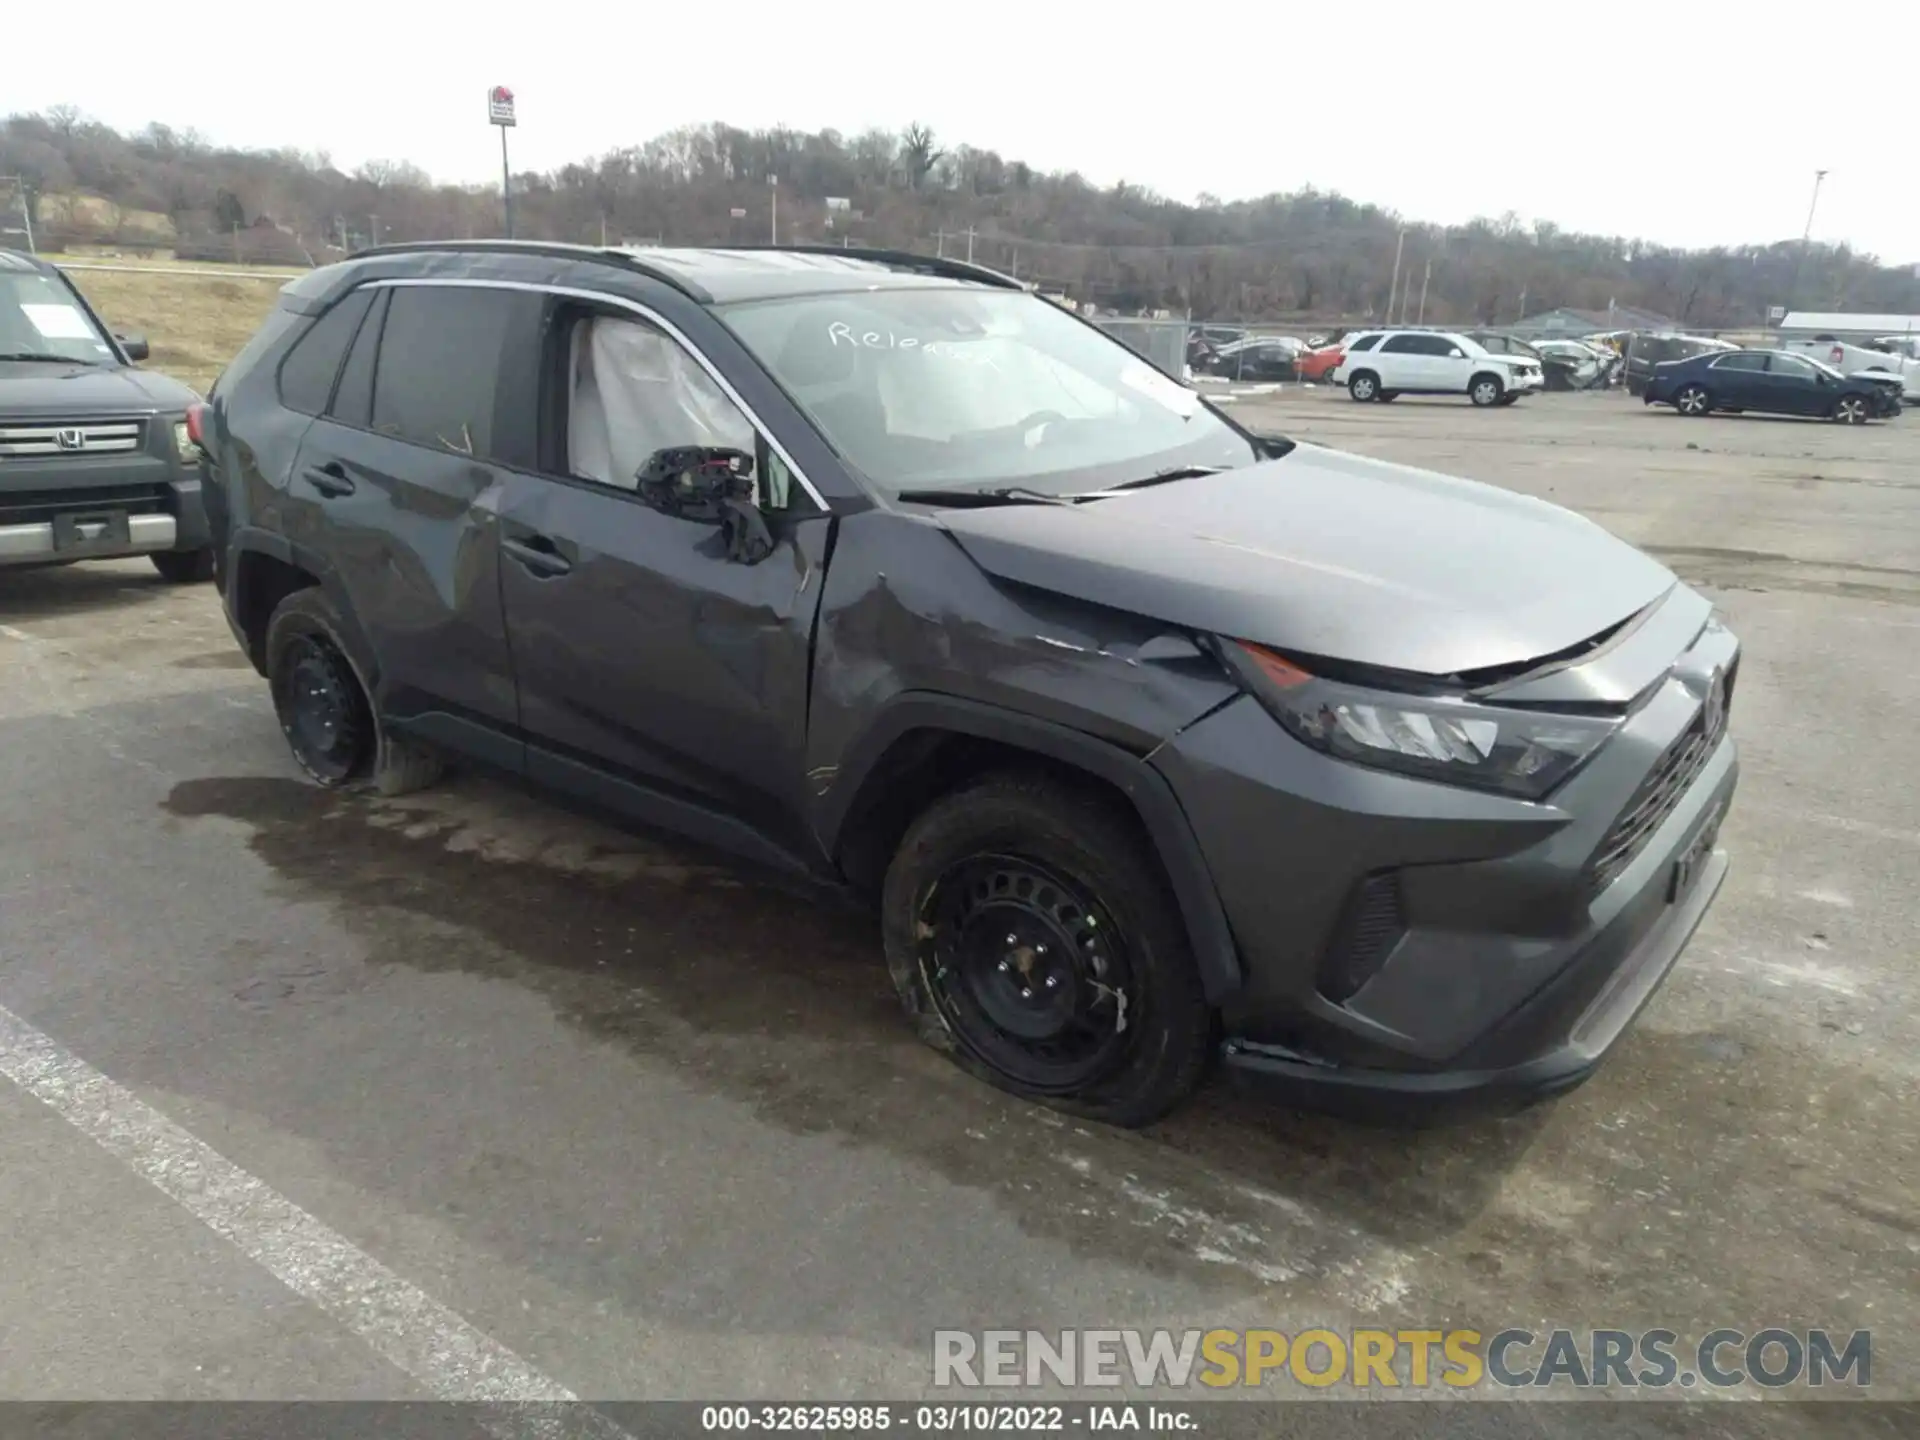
[(1526, 381), (1506, 965), (98, 507)]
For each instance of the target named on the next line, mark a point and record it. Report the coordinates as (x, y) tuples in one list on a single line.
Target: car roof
[(726, 275), (17, 261)]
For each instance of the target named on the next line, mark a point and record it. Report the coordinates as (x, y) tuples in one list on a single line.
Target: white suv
[(1386, 364)]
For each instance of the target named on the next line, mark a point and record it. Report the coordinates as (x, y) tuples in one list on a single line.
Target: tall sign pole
[(500, 113)]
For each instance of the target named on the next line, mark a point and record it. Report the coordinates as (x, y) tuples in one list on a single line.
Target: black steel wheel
[(1027, 969), (318, 698), (1031, 936)]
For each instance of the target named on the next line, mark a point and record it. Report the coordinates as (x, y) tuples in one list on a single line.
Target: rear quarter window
[(308, 372)]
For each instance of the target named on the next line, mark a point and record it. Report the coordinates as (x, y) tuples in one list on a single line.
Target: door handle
[(537, 555), (330, 479)]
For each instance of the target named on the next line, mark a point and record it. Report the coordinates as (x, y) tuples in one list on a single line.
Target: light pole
[(773, 209), (1806, 241)]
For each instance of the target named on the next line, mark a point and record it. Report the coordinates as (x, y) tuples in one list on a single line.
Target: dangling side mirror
[(712, 485)]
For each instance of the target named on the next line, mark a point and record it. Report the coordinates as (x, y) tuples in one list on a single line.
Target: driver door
[(1794, 386), (657, 676)]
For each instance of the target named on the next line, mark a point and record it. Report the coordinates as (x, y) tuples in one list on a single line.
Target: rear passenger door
[(1403, 365), (1739, 380), (394, 486)]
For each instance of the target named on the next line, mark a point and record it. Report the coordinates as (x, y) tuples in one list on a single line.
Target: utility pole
[(603, 231), (19, 183), (773, 209), (940, 243), (1806, 241), (1427, 275), (373, 229), (1394, 288), (970, 244)]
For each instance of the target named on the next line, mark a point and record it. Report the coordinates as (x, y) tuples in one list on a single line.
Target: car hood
[(1334, 555), (34, 388)]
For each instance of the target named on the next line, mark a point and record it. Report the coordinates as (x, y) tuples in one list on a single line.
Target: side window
[(1442, 345), (632, 389), (1741, 360), (439, 368), (353, 398), (1365, 342), (307, 374), (1792, 366), (1401, 345)]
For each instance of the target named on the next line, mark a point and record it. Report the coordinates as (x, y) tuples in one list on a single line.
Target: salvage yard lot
[(657, 1128)]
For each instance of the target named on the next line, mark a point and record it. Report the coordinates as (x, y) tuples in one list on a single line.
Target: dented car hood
[(1324, 553)]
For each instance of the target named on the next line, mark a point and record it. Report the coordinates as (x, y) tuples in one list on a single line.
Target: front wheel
[(1485, 390), (184, 567), (1850, 410), (1693, 401), (1364, 386), (1031, 936)]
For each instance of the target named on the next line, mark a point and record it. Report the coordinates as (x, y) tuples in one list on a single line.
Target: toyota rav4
[(1152, 741)]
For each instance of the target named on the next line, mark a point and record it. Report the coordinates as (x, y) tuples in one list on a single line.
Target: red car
[(1319, 364)]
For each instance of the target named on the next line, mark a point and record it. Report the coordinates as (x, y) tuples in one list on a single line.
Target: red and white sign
[(500, 106)]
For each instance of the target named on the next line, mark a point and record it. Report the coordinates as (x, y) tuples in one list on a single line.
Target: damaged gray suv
[(1154, 742)]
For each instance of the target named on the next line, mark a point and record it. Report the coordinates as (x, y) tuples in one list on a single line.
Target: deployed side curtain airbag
[(634, 392)]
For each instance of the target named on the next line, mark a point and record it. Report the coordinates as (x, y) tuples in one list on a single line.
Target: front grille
[(29, 507), (1370, 926), (1673, 774), (56, 440)]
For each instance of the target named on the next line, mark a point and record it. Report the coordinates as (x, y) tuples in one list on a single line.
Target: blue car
[(1772, 382)]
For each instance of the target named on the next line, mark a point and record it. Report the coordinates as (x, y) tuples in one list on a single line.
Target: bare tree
[(918, 154)]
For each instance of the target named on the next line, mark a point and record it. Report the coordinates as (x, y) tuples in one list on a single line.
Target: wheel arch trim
[(1163, 820)]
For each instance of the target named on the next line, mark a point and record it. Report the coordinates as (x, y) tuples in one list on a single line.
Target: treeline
[(1305, 254)]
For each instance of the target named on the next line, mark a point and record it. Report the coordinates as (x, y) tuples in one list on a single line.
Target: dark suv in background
[(96, 459), (1152, 740)]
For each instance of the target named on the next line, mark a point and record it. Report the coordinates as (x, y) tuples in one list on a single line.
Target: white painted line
[(402, 1323)]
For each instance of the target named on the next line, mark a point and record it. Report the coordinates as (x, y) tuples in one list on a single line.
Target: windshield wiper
[(1159, 477), (47, 356), (1000, 495)]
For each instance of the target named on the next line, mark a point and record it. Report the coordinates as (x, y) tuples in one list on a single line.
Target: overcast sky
[(1691, 125)]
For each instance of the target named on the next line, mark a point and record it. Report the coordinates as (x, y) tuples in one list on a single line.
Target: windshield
[(961, 387), (39, 316)]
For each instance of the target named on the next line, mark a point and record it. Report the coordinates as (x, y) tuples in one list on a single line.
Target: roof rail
[(900, 260), (558, 250)]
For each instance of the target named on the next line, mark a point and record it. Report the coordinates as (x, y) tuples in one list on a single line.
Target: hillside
[(1307, 254)]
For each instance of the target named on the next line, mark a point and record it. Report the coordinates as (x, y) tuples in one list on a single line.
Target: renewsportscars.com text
[(1458, 1359)]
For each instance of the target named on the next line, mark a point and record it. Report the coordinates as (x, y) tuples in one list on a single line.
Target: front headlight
[(183, 445), (1456, 741)]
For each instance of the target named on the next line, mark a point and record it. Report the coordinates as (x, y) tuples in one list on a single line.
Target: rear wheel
[(1364, 386), (323, 707), (184, 567), (1850, 410), (1031, 936), (1485, 390), (1693, 401)]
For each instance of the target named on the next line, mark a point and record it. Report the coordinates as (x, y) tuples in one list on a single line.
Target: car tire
[(1485, 390), (1850, 410), (184, 567), (1693, 401), (1364, 386), (323, 708), (1033, 939)]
